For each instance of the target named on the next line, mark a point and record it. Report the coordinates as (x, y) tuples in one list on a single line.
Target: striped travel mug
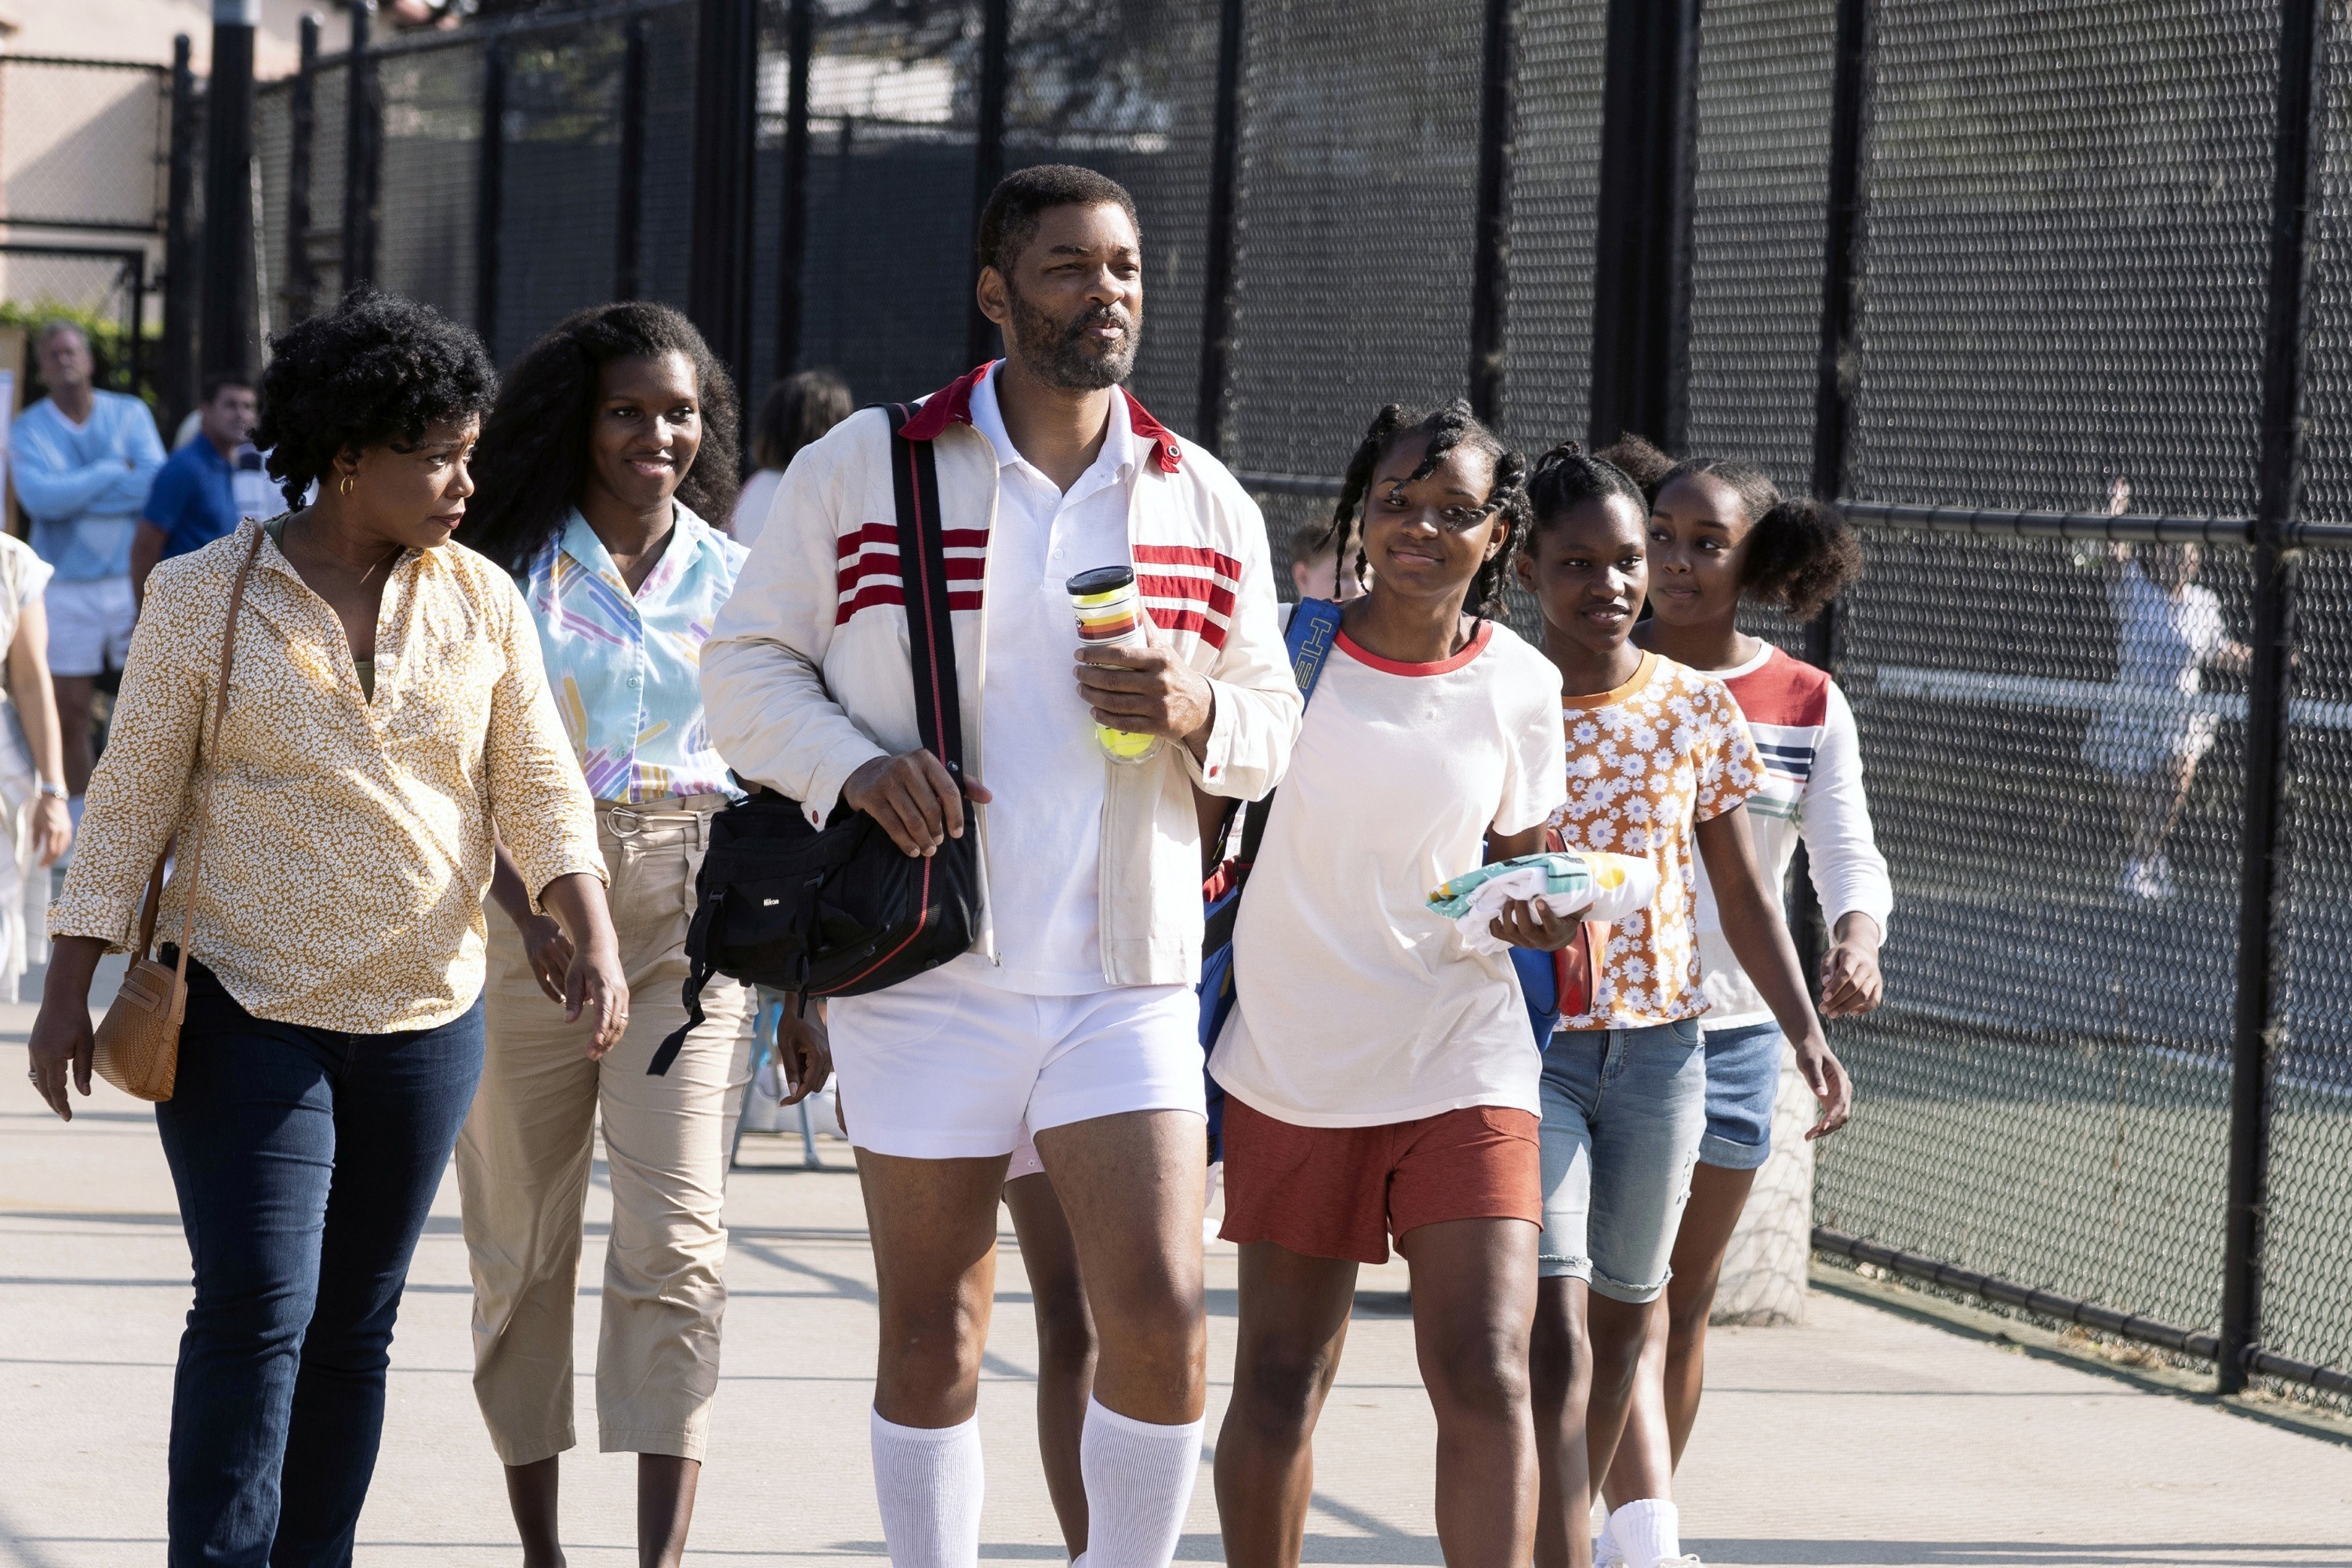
[(1109, 616)]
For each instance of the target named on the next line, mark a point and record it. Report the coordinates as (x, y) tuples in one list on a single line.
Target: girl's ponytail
[(1639, 461), (1802, 555)]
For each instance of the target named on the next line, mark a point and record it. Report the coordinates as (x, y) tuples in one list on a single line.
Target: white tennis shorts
[(948, 1067), (90, 623)]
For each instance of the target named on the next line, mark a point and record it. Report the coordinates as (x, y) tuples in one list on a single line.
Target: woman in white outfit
[(34, 826)]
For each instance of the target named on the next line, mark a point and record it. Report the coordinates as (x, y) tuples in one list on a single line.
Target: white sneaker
[(1604, 1550)]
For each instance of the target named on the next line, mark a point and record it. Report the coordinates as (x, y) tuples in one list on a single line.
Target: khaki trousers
[(524, 1166)]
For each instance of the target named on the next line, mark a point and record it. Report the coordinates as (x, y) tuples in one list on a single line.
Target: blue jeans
[(1623, 1110), (1743, 1080), (305, 1160)]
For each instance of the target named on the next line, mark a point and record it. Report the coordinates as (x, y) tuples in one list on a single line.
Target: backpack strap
[(1314, 627)]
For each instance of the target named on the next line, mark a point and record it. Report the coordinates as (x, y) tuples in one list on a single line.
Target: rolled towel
[(1591, 885)]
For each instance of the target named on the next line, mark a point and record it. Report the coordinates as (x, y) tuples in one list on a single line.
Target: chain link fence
[(2063, 252), (84, 144)]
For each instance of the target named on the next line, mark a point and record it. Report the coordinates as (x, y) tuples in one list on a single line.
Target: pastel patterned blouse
[(626, 667), (351, 837)]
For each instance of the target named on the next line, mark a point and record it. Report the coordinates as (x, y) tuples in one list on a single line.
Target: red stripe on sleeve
[(1216, 561), (1218, 597)]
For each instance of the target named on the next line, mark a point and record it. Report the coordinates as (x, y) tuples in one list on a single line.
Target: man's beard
[(1060, 356)]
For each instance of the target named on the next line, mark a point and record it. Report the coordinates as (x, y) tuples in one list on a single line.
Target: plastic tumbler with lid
[(1109, 616)]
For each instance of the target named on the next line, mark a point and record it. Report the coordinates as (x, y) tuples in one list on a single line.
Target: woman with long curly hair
[(614, 439), (386, 724)]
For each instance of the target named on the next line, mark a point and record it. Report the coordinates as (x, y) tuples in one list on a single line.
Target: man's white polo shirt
[(1039, 758)]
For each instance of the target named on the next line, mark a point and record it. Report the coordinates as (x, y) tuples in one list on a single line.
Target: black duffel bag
[(842, 910)]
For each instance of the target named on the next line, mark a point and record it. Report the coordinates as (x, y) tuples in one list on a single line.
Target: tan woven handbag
[(139, 1039)]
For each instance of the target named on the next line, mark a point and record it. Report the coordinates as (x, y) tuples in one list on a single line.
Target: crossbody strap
[(923, 578), (196, 857)]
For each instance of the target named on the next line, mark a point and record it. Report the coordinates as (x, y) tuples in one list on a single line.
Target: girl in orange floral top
[(1658, 764)]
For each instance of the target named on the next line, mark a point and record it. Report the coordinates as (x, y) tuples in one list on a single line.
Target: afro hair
[(376, 370)]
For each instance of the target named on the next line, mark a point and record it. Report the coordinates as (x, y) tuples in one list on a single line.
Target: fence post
[(987, 156), (631, 202), (176, 377), (1842, 259), (726, 138), (302, 128), (791, 237), (2301, 98), (1490, 279), (1839, 366), (1641, 269), (227, 308), (1217, 251), (489, 193), (363, 151)]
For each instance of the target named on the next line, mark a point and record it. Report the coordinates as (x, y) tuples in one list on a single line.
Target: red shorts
[(1341, 1192)]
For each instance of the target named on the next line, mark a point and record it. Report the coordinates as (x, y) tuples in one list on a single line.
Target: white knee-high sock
[(928, 1482), (1139, 1488), (1648, 1532)]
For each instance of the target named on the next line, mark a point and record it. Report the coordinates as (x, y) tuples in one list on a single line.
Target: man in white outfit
[(1075, 1011)]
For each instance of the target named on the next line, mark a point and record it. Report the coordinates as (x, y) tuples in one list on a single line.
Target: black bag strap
[(923, 575), (931, 646)]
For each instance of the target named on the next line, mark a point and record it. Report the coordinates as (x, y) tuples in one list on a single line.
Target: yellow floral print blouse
[(352, 837)]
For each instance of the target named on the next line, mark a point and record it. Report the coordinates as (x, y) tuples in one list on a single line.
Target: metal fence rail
[(2058, 299)]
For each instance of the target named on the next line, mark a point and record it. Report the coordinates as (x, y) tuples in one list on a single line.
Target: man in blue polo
[(208, 486)]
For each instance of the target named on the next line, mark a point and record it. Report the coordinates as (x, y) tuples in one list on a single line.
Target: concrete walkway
[(1862, 1437)]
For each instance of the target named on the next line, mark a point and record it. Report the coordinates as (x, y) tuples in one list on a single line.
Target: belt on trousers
[(626, 819)]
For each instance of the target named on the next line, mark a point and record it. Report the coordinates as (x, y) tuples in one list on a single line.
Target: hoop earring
[(346, 484)]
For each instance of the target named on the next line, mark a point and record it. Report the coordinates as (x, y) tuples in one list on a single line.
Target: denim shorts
[(1623, 1110), (1743, 1080)]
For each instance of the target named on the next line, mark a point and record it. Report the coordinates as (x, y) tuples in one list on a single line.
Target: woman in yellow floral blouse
[(388, 725)]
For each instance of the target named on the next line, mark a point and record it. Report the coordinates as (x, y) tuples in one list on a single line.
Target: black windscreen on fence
[(893, 100), (2063, 239), (2069, 224), (1354, 238), (433, 109), (1761, 187)]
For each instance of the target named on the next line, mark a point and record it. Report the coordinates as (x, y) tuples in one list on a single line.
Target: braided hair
[(1447, 428), (1800, 553), (1568, 477)]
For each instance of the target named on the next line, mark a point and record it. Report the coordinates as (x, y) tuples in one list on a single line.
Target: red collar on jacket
[(953, 402)]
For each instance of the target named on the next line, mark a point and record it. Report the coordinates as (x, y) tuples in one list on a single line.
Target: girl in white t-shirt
[(1379, 1077)]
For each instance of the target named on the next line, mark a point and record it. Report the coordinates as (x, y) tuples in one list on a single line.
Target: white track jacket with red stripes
[(806, 678)]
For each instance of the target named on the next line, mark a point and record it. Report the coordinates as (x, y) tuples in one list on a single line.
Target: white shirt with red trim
[(1805, 739), (1358, 1005), (1045, 774)]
